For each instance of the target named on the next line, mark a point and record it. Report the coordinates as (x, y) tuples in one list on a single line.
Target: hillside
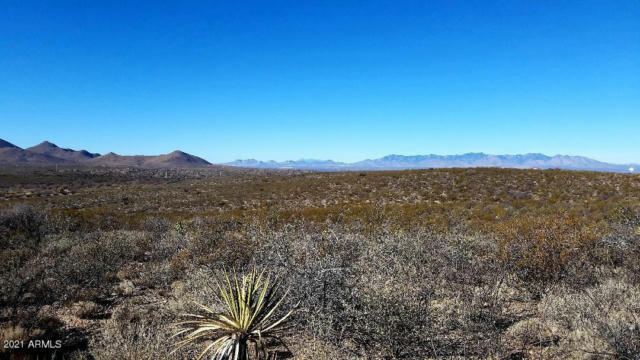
[(174, 159), (18, 156), (6, 144), (47, 153), (47, 148)]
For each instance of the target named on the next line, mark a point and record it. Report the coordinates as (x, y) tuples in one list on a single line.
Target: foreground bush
[(601, 321), (21, 232), (541, 251), (244, 324)]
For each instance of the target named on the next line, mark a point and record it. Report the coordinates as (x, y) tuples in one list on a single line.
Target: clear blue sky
[(344, 80)]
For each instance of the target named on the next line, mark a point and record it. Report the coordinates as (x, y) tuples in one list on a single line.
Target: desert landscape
[(320, 180), (477, 263)]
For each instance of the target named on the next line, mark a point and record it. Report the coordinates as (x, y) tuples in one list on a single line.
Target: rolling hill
[(47, 148), (174, 159), (47, 153)]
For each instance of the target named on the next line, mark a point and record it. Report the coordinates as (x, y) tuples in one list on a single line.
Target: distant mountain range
[(402, 162), (47, 153)]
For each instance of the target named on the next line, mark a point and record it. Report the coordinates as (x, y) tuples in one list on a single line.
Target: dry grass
[(459, 263)]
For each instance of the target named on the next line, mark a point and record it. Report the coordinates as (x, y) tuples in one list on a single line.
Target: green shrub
[(245, 328)]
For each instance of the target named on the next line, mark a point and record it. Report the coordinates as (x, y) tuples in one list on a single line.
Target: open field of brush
[(424, 264)]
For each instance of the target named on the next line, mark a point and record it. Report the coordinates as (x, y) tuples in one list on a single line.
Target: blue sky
[(345, 80)]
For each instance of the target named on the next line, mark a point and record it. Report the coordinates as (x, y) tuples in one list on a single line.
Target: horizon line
[(292, 159)]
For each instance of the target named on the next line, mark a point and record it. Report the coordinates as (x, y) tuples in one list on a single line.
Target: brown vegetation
[(467, 263)]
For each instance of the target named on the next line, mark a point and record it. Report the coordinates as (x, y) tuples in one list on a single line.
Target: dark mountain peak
[(109, 154), (45, 144), (179, 157), (178, 153), (6, 144), (51, 149), (44, 147), (88, 154)]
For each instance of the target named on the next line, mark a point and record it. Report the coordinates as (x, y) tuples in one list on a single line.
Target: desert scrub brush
[(245, 328)]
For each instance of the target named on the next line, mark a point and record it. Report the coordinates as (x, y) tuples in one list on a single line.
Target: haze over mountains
[(401, 162), (47, 153)]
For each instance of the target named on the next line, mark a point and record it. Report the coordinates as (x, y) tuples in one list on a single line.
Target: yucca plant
[(245, 326)]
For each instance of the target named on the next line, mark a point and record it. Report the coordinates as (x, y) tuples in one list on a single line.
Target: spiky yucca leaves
[(246, 322)]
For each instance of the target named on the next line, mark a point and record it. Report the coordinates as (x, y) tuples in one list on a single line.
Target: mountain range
[(47, 153), (402, 162)]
